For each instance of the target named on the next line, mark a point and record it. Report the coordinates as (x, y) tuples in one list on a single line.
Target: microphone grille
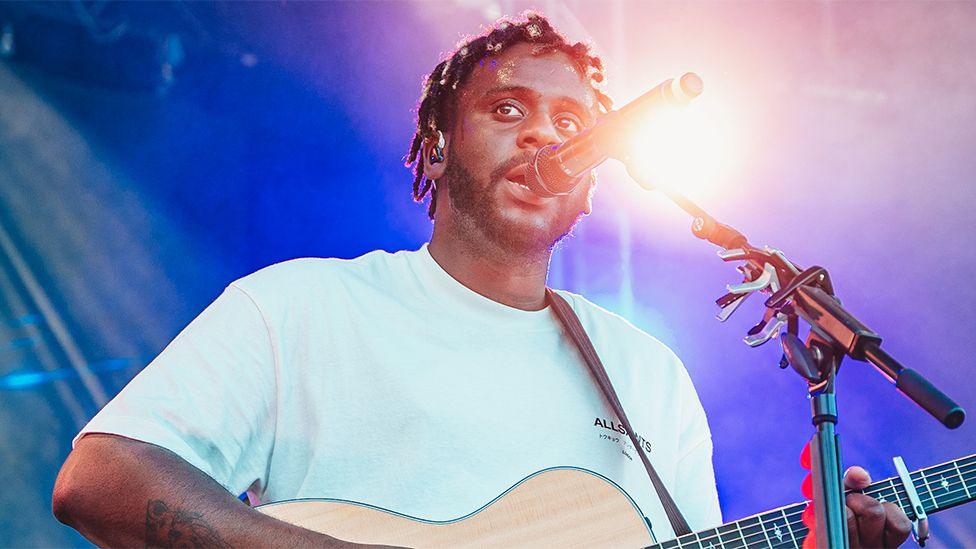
[(550, 175)]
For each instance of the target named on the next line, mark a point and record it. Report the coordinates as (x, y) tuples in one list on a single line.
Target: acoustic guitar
[(573, 507)]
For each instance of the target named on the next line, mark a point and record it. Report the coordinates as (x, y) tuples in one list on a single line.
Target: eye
[(569, 124), (508, 110)]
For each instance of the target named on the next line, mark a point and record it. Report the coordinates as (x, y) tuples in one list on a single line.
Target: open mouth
[(517, 175), (520, 190)]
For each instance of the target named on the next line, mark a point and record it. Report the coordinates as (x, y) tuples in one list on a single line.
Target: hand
[(871, 523)]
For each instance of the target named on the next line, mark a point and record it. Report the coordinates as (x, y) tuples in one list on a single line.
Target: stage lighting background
[(845, 137)]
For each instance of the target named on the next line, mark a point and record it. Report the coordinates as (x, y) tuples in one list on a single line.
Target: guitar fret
[(792, 517), (789, 529), (794, 521), (928, 489), (776, 531), (729, 537), (764, 533), (895, 497), (800, 533), (970, 482), (741, 535), (966, 481), (905, 506), (705, 539), (688, 539), (756, 524), (718, 537), (799, 529), (878, 491), (950, 495), (721, 541), (962, 479)]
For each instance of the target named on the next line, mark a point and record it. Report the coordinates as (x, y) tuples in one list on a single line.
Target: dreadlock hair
[(438, 100)]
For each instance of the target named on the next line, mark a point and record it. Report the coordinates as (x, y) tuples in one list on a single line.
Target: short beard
[(477, 212)]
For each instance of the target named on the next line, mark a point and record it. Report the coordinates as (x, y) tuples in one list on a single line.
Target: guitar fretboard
[(939, 487)]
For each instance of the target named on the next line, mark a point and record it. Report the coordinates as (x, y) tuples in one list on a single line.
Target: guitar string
[(791, 513), (795, 528), (802, 529), (964, 461), (743, 533), (883, 491), (792, 529), (944, 470), (763, 526), (954, 482), (945, 466), (963, 475), (799, 531)]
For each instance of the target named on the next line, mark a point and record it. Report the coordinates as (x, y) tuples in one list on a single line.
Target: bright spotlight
[(685, 150)]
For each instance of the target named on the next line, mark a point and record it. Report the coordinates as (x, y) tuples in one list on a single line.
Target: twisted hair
[(438, 100)]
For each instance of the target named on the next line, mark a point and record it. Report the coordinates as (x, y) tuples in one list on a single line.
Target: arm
[(124, 493)]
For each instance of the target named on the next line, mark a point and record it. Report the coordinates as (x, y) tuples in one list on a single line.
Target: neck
[(513, 279)]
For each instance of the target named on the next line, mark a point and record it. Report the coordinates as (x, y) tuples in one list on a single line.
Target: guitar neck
[(939, 487)]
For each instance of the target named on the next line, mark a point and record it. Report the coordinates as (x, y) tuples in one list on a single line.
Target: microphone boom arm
[(808, 294)]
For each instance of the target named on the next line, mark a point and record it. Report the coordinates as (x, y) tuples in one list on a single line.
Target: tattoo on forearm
[(171, 527)]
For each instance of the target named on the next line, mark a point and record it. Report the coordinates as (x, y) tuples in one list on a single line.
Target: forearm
[(120, 492)]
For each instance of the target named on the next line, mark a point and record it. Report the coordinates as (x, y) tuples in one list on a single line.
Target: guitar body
[(559, 507), (572, 507)]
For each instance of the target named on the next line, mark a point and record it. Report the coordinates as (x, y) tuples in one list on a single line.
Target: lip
[(516, 186)]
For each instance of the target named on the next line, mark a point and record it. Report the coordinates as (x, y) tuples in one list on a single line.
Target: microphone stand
[(808, 294)]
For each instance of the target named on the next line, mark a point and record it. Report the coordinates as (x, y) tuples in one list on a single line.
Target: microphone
[(556, 169)]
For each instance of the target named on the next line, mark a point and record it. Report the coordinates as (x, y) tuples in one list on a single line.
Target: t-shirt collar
[(447, 291)]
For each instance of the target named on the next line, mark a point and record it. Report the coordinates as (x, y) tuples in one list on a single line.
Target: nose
[(537, 132)]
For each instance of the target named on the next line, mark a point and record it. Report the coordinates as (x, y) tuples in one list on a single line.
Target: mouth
[(518, 188), (517, 175)]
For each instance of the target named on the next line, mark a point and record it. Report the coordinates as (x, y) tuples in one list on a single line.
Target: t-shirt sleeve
[(695, 491), (209, 396)]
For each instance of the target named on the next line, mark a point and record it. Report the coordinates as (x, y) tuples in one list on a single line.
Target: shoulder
[(613, 335), (308, 277)]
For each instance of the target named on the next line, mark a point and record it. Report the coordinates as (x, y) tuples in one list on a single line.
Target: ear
[(434, 170)]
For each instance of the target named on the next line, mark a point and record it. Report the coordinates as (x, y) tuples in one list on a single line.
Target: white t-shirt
[(385, 381)]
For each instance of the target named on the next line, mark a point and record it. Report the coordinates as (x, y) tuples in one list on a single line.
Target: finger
[(870, 519), (897, 525), (856, 478), (852, 536)]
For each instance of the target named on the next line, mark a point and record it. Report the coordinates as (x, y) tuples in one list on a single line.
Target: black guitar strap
[(571, 323)]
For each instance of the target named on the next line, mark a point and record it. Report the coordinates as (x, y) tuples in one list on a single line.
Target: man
[(423, 382)]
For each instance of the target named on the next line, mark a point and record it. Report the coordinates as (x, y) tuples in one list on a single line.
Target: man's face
[(512, 105)]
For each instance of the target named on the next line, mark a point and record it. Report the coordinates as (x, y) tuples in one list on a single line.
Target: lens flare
[(686, 150)]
